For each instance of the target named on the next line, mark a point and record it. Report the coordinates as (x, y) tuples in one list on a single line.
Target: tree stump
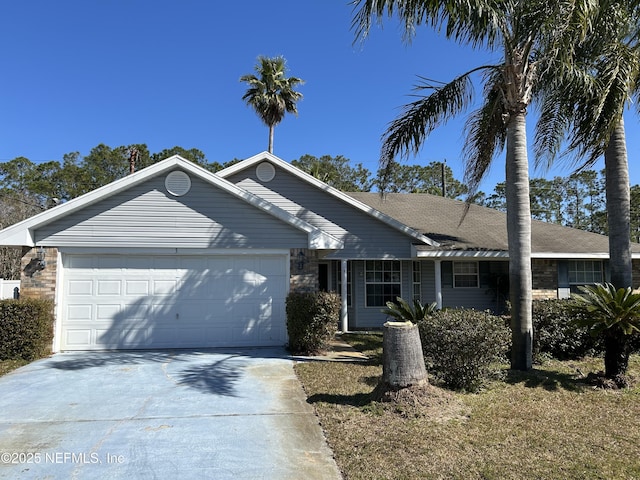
[(403, 361)]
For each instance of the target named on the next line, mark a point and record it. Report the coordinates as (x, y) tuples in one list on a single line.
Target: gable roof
[(348, 199), (483, 232), (22, 233)]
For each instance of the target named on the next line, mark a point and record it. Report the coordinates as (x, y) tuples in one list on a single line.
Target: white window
[(382, 282), (417, 277), (466, 275), (583, 272)]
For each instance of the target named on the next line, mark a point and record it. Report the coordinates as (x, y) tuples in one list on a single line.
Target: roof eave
[(505, 254), (329, 189), (21, 234)]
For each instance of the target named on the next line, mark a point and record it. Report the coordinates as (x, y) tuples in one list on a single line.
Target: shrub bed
[(461, 347), (26, 329), (312, 320), (556, 333)]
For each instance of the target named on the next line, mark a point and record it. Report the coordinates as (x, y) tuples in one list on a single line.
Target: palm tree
[(271, 94), (532, 34), (586, 105)]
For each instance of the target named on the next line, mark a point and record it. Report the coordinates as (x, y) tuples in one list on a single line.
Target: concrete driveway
[(212, 414)]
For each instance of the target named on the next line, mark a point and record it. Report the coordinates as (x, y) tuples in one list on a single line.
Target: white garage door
[(125, 301)]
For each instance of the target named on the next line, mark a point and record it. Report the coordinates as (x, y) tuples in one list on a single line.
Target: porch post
[(438, 275), (344, 320)]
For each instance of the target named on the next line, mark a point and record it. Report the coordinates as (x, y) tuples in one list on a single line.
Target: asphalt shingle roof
[(482, 228)]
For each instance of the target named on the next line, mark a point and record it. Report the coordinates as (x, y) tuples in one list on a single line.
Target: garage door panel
[(78, 338), (122, 301), (134, 338), (164, 287), (109, 287), (107, 311), (80, 287), (79, 312), (136, 287), (107, 338)]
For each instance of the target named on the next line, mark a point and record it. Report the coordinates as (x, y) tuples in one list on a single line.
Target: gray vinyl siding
[(363, 235), (147, 216), (479, 298)]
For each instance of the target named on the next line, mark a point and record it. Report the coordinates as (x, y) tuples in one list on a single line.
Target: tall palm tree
[(271, 93), (586, 104), (531, 34)]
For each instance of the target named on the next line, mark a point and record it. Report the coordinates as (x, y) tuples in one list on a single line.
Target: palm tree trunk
[(271, 128), (616, 355), (618, 208), (519, 235), (403, 361)]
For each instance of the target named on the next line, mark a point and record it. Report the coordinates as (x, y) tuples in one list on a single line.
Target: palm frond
[(486, 132), (405, 312), (418, 119), (609, 308), (270, 93), (476, 22)]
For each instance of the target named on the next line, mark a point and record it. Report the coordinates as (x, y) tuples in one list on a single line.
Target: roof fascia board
[(329, 189), (504, 254)]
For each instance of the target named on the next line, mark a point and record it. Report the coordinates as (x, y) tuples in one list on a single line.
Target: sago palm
[(613, 314), (532, 35), (271, 93), (403, 311)]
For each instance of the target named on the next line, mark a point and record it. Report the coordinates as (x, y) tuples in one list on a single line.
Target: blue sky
[(77, 73)]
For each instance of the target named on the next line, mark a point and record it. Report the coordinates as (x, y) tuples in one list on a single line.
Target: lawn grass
[(544, 424)]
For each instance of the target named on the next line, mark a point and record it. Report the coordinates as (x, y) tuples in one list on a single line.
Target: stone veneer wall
[(35, 283), (303, 279), (545, 278)]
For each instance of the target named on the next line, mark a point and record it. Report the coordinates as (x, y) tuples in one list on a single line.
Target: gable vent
[(265, 172), (177, 183)]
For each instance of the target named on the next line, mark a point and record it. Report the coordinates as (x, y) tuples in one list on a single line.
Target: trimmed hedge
[(556, 333), (312, 320), (26, 329), (461, 346)]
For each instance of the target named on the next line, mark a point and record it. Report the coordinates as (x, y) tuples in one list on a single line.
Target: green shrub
[(26, 329), (312, 320), (556, 332), (461, 347)]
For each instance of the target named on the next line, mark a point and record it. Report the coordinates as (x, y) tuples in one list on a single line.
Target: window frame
[(375, 277), (457, 275), (416, 283), (584, 272)]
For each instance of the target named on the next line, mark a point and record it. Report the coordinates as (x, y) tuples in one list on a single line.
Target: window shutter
[(563, 274), (485, 272), (447, 274)]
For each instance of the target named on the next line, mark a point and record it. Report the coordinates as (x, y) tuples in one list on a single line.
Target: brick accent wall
[(303, 270), (36, 282), (545, 278)]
